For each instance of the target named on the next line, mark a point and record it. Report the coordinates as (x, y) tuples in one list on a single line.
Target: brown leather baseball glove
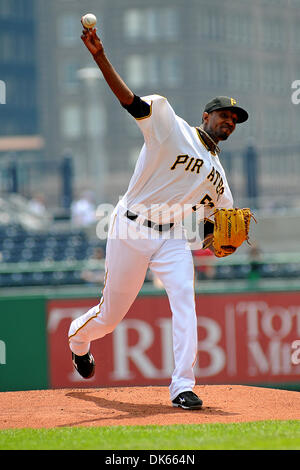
[(231, 229)]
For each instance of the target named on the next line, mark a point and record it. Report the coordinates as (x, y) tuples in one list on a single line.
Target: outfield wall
[(244, 337)]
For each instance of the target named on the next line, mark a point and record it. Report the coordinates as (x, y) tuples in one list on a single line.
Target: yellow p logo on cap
[(233, 101)]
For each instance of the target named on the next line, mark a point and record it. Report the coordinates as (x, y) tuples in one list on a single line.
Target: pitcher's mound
[(143, 406)]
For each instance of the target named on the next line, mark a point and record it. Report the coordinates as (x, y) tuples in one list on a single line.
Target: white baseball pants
[(131, 249)]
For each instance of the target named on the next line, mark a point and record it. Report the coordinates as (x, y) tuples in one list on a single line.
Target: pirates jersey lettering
[(215, 177), (191, 165)]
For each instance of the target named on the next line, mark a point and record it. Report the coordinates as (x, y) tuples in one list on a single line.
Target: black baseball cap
[(224, 102)]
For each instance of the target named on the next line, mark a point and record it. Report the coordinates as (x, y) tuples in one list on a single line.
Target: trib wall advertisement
[(242, 338)]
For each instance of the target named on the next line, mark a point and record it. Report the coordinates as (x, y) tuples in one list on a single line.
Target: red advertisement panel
[(242, 338)]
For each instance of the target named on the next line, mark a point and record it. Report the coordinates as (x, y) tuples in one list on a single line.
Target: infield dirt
[(143, 406)]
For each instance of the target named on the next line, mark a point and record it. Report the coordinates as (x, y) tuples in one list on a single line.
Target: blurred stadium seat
[(20, 246), (27, 258)]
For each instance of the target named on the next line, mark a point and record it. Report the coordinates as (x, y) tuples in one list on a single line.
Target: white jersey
[(175, 172)]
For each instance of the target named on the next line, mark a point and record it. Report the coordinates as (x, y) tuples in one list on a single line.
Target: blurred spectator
[(37, 205), (32, 214), (95, 275), (83, 211), (204, 269), (157, 282), (151, 277), (254, 262)]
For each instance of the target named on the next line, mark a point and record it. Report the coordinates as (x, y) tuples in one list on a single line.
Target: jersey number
[(206, 201)]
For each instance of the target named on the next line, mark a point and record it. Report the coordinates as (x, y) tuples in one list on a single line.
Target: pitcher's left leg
[(174, 266)]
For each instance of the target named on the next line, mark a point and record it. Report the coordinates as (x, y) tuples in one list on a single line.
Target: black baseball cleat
[(188, 401), (85, 365)]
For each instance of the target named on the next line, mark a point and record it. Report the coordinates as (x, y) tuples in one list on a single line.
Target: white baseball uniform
[(174, 175)]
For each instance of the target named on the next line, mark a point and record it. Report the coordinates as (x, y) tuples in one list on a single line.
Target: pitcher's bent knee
[(94, 328)]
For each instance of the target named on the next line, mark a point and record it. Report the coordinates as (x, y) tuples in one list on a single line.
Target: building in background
[(19, 109), (20, 130), (73, 110), (188, 52), (18, 68)]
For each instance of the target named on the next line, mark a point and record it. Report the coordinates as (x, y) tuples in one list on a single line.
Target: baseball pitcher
[(178, 172)]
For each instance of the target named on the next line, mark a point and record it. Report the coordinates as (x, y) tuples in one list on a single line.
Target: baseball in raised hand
[(89, 20)]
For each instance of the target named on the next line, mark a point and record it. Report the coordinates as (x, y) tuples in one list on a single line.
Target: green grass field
[(261, 435)]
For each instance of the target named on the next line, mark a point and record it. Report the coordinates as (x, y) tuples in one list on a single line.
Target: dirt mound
[(143, 406)]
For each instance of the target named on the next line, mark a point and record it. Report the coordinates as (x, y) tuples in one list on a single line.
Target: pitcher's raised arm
[(113, 79)]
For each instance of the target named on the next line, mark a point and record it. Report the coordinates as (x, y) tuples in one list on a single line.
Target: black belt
[(160, 228)]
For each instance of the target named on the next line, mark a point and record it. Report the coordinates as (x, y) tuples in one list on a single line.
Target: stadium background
[(66, 147)]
